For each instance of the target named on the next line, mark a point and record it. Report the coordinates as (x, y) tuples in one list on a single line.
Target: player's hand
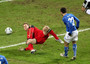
[(27, 42), (69, 34), (59, 40), (77, 27)]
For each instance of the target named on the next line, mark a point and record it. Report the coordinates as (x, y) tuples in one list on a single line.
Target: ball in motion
[(8, 30)]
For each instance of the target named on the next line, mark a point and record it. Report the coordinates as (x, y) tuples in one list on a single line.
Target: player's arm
[(55, 36), (77, 22), (64, 21), (5, 61), (47, 30)]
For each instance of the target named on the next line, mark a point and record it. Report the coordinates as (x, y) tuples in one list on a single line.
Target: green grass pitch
[(40, 13)]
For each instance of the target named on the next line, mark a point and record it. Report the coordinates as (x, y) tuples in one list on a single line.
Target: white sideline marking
[(49, 37), (4, 1)]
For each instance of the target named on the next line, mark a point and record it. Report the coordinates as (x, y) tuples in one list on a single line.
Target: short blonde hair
[(46, 28), (25, 23)]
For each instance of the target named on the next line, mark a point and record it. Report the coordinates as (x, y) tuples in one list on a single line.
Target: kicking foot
[(33, 51), (73, 58), (63, 55)]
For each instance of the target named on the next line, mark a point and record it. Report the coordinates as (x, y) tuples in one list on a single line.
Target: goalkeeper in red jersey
[(37, 36)]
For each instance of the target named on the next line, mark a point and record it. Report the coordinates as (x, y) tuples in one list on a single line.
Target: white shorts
[(74, 37), (88, 11)]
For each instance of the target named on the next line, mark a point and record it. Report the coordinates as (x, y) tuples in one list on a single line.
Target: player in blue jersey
[(71, 32), (3, 60)]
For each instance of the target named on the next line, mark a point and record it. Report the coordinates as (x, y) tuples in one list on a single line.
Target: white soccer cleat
[(73, 58), (59, 40), (33, 51), (62, 54)]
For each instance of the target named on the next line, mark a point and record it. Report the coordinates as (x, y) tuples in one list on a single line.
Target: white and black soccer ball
[(8, 30)]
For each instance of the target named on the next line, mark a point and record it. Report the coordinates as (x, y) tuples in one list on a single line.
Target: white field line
[(4, 1), (49, 37)]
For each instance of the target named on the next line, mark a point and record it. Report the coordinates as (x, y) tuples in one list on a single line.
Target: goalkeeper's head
[(46, 29)]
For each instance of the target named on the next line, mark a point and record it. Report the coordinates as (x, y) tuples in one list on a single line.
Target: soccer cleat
[(59, 40), (33, 51), (63, 55), (21, 49), (73, 58)]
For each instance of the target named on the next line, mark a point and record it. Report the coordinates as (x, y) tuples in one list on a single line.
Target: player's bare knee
[(66, 44), (29, 41), (46, 28), (73, 42)]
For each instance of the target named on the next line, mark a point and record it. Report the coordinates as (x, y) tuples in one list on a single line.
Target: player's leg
[(31, 41), (74, 39), (74, 50), (66, 48), (30, 35), (30, 47), (67, 39)]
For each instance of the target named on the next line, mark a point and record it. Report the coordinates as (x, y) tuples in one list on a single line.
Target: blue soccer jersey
[(68, 20), (3, 60)]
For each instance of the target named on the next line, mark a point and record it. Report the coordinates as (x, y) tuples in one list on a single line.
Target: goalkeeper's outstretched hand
[(59, 40)]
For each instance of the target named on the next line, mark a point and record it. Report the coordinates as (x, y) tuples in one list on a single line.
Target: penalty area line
[(5, 1), (82, 30)]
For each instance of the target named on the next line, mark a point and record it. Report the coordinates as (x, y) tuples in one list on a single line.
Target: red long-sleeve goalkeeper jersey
[(38, 35)]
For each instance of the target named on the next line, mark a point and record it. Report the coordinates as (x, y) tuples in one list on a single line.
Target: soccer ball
[(8, 30)]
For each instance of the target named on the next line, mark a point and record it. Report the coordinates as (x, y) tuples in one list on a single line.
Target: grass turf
[(40, 13)]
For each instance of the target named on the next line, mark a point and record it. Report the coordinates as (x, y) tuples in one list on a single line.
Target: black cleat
[(73, 58)]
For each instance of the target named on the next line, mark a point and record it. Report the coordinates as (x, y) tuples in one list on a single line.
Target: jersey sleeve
[(64, 21), (77, 21), (5, 61), (53, 34)]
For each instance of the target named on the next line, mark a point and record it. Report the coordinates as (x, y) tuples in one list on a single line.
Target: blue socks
[(66, 50), (74, 49)]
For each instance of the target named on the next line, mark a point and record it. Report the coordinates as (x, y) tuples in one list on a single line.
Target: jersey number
[(71, 20)]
